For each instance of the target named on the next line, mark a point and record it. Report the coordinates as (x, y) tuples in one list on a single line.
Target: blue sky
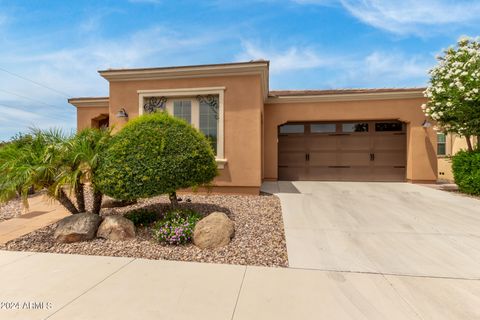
[(312, 44)]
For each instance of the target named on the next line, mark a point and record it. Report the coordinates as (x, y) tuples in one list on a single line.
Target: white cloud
[(386, 63), (412, 15), (17, 119), (91, 23), (9, 113), (293, 58), (376, 69), (421, 17), (389, 69), (74, 71)]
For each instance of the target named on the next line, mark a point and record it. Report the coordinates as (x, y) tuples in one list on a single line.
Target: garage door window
[(355, 127), (388, 126), (323, 128), (292, 128)]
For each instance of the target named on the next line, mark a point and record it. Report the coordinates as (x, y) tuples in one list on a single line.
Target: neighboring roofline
[(195, 71), (344, 95), (173, 68), (89, 102)]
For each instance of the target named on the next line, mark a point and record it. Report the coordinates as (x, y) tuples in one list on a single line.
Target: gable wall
[(243, 103)]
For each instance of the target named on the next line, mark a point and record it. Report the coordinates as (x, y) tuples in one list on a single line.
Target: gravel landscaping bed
[(14, 208), (11, 209), (259, 235)]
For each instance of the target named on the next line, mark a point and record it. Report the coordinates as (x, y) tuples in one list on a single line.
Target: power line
[(17, 108), (35, 82), (28, 98)]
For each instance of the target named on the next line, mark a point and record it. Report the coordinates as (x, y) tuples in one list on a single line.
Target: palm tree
[(16, 169), (36, 163), (50, 160), (80, 162)]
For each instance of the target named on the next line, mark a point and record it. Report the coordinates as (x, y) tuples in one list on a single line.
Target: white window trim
[(192, 92), (444, 143)]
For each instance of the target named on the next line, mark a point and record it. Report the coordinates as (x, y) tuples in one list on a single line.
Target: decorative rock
[(213, 231), (116, 228), (77, 227)]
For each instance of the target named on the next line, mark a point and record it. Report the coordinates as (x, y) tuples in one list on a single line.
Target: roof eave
[(413, 94), (89, 102), (200, 71)]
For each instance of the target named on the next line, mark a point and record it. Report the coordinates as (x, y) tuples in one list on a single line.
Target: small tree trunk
[(97, 202), (80, 196), (66, 202), (31, 190), (173, 199), (469, 144)]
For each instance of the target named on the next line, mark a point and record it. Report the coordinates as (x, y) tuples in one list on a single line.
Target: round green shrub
[(155, 154), (466, 171)]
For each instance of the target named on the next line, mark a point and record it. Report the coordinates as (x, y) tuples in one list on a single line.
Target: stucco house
[(260, 135), (447, 146)]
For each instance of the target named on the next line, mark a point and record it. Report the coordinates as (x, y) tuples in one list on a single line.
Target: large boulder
[(213, 231), (77, 227), (116, 228)]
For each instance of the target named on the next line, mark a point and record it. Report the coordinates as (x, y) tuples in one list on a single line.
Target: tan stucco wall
[(453, 144), (86, 114), (242, 120), (421, 142), (445, 169)]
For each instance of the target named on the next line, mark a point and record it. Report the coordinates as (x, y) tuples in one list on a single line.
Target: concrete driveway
[(385, 228)]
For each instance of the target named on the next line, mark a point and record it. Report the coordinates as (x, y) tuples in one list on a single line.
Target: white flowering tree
[(454, 90)]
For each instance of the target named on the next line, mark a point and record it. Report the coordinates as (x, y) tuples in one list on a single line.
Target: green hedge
[(155, 154), (466, 171)]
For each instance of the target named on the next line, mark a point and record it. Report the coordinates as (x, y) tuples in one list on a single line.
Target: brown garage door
[(345, 151)]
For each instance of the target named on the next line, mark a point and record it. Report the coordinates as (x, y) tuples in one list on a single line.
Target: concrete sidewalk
[(54, 286)]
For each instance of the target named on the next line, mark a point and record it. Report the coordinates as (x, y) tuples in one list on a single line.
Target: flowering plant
[(454, 90), (176, 227)]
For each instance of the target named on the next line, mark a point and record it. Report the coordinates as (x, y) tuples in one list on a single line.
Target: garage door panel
[(354, 142), (291, 159), (359, 173), (323, 173), (388, 173), (390, 159), (322, 142), (389, 142), (291, 143), (353, 158), (292, 173), (323, 158)]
